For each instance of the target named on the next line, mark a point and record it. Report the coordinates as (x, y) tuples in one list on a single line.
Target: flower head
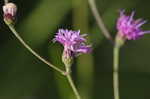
[(72, 41), (129, 28), (9, 10)]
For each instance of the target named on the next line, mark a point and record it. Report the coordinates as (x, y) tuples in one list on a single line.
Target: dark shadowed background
[(23, 76)]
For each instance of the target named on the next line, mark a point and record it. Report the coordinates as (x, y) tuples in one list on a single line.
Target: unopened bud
[(67, 59), (9, 10)]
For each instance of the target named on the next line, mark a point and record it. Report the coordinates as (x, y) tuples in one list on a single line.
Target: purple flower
[(128, 28), (73, 42)]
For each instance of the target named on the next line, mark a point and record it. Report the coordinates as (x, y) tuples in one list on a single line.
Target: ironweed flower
[(9, 10), (128, 28), (73, 42)]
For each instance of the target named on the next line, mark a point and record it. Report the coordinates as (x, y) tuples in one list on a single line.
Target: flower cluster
[(72, 41), (129, 28)]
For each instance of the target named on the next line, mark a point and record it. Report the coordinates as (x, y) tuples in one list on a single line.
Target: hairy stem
[(99, 20), (116, 73), (11, 27)]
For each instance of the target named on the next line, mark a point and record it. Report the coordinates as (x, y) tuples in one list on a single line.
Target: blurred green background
[(23, 76)]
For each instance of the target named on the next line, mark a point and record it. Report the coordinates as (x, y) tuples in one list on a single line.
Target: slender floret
[(129, 28)]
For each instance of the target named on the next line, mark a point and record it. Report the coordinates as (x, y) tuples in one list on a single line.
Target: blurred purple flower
[(73, 42), (128, 28)]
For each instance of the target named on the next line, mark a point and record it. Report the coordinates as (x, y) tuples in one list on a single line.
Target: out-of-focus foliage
[(22, 76)]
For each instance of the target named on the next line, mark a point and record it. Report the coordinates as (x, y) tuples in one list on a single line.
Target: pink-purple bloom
[(130, 28), (73, 42)]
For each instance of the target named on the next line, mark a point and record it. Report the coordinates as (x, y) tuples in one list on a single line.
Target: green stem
[(73, 86), (116, 73), (68, 75), (11, 27), (99, 20)]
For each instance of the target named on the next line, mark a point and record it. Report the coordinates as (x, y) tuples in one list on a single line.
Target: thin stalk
[(73, 86), (11, 27), (68, 75), (116, 73), (99, 20)]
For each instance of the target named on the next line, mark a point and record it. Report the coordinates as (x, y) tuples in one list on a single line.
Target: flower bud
[(67, 58), (9, 10)]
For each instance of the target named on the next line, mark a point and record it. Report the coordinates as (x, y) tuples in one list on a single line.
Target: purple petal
[(131, 17), (140, 24), (84, 49), (144, 32)]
